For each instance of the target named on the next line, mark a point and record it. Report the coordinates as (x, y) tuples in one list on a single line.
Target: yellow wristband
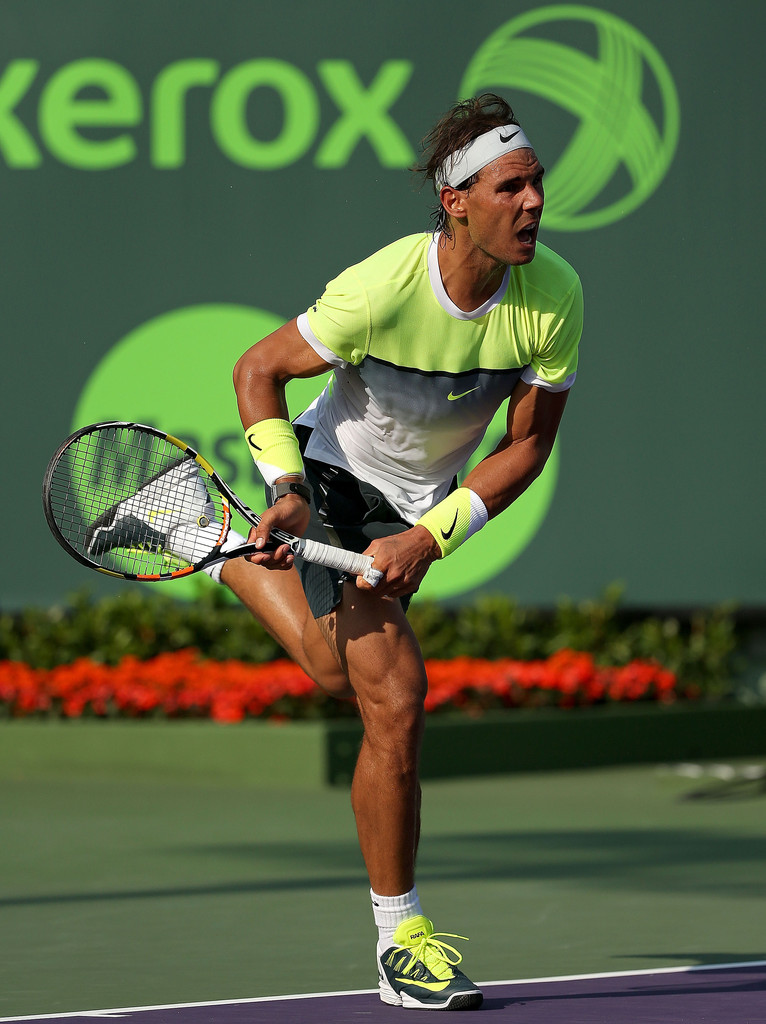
[(455, 519), (275, 450)]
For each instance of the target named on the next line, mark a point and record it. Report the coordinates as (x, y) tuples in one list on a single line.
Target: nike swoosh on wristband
[(252, 444), (451, 530), (452, 397), (432, 986), (507, 138)]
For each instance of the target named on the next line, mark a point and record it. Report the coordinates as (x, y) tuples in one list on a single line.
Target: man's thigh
[(375, 644), (276, 599)]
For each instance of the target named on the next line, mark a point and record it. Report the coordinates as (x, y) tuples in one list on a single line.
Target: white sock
[(390, 911), (232, 541)]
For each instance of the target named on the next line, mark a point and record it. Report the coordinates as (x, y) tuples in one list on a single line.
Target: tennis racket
[(134, 502)]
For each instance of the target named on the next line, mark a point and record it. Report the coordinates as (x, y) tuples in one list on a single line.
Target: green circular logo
[(608, 93), (174, 373)]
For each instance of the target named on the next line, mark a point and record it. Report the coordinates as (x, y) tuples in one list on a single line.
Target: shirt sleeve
[(554, 363), (339, 323)]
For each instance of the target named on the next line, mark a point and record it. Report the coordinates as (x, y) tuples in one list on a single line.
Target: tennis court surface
[(623, 896), (725, 994)]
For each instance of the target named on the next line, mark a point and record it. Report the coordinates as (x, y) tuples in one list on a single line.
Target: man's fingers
[(278, 558), (373, 576)]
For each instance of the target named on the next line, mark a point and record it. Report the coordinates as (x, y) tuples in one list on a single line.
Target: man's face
[(503, 208)]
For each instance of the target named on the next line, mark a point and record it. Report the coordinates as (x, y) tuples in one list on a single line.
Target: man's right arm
[(260, 378), (261, 374)]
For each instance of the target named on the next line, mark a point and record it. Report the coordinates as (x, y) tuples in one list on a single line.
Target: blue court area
[(726, 994), (209, 898)]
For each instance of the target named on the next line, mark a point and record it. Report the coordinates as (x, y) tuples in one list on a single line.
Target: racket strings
[(133, 502)]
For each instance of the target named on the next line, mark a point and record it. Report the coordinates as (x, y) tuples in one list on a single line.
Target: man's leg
[(374, 642), (277, 600), (385, 667), (366, 646), (378, 649)]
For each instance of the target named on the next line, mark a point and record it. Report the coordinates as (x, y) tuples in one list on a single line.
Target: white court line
[(122, 1011), (626, 974)]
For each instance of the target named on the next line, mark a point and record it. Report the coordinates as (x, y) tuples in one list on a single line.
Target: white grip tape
[(335, 558)]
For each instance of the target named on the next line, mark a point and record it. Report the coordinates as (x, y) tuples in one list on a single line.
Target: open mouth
[(528, 235)]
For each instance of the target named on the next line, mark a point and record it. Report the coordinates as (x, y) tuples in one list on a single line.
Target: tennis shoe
[(176, 497), (419, 971)]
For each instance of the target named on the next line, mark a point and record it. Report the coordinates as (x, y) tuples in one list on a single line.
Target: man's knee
[(394, 721), (333, 680)]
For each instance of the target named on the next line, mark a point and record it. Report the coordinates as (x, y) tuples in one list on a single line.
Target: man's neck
[(470, 277)]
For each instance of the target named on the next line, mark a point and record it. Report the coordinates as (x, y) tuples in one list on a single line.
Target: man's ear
[(453, 201)]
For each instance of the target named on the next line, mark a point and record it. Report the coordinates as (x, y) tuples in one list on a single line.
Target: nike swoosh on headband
[(465, 162)]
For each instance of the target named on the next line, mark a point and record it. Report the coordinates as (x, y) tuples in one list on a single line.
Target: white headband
[(465, 162)]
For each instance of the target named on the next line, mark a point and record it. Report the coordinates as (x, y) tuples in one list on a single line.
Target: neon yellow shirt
[(417, 380)]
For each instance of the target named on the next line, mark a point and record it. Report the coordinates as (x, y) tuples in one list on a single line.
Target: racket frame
[(312, 550)]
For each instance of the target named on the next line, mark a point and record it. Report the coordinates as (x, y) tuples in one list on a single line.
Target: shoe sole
[(457, 1001)]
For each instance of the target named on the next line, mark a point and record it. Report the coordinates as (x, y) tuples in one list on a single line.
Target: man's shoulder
[(402, 258), (550, 272)]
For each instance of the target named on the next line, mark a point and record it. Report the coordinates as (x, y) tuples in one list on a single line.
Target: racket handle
[(313, 551), (335, 558)]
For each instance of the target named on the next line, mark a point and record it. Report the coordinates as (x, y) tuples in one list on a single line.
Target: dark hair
[(462, 123)]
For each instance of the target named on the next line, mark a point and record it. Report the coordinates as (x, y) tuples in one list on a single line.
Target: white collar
[(434, 274)]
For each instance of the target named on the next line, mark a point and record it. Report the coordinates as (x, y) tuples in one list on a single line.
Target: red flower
[(182, 684)]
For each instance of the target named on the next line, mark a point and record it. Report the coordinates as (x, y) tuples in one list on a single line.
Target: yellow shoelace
[(435, 954)]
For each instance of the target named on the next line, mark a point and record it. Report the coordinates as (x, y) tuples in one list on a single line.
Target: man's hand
[(403, 559), (291, 514)]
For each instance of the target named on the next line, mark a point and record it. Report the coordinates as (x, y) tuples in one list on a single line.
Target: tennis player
[(426, 338)]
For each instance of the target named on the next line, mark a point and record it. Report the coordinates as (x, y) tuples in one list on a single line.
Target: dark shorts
[(347, 513)]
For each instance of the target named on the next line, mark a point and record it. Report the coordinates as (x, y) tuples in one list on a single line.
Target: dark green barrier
[(499, 743)]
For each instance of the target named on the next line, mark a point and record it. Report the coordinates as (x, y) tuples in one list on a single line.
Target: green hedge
[(701, 647)]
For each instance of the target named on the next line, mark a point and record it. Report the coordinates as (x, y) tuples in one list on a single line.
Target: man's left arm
[(534, 414)]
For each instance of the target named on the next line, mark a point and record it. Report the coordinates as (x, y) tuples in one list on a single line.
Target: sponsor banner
[(178, 181)]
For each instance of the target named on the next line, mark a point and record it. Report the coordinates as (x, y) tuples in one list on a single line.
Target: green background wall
[(244, 197)]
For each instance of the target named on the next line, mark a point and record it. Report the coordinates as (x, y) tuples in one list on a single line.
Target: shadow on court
[(646, 859), (734, 789)]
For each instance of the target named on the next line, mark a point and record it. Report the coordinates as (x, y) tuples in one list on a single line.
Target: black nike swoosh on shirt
[(507, 138), (451, 530)]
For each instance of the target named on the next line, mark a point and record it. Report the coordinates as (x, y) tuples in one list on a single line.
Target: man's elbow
[(537, 456), (246, 369)]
